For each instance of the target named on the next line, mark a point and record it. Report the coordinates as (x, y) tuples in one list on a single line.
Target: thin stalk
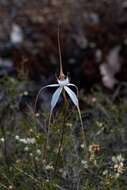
[(59, 149), (47, 137), (61, 76), (84, 134), (62, 134), (5, 147)]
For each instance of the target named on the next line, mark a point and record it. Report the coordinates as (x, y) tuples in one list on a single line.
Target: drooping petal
[(73, 85), (72, 95), (51, 85), (74, 98), (55, 98)]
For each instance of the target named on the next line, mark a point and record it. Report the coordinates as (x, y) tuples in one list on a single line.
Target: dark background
[(92, 33)]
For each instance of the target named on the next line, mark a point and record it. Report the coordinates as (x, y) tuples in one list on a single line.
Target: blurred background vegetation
[(92, 33), (93, 37)]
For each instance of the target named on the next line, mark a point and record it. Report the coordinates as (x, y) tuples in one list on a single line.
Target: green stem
[(59, 150), (62, 133), (84, 135)]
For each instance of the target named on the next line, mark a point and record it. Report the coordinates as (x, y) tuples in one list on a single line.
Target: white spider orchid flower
[(62, 85)]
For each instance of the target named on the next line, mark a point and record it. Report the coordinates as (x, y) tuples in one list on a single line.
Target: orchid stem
[(47, 138), (84, 134), (59, 149), (59, 49), (62, 134)]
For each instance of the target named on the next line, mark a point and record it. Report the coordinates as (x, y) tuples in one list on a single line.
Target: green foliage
[(28, 161)]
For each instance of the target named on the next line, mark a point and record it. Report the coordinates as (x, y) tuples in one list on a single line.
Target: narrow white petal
[(75, 101), (72, 95), (50, 85), (70, 84), (55, 97)]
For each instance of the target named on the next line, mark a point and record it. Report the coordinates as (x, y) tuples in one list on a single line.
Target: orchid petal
[(51, 85), (70, 84), (55, 98), (72, 95), (75, 101)]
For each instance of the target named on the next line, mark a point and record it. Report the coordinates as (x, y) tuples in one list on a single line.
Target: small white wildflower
[(114, 159), (36, 158), (105, 172), (37, 114), (90, 148), (120, 169), (31, 154), (26, 148), (10, 187), (121, 164), (118, 164), (61, 170), (25, 93), (2, 139), (84, 163), (93, 99), (17, 137), (49, 167), (28, 140), (82, 145), (69, 124), (120, 158), (117, 175), (38, 151), (99, 124), (117, 158), (24, 141), (31, 140)]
